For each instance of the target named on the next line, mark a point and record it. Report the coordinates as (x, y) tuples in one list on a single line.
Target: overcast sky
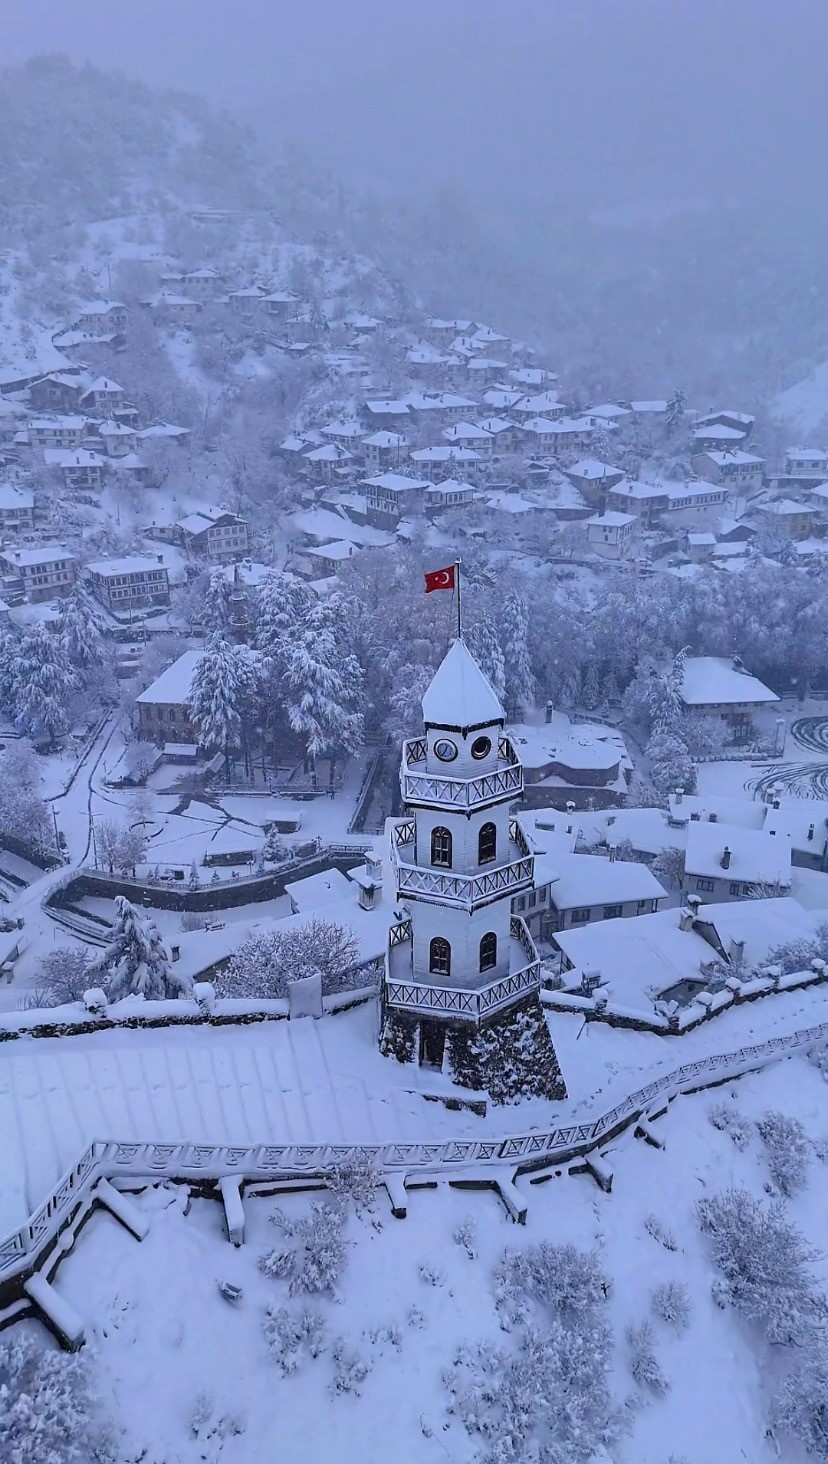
[(594, 100)]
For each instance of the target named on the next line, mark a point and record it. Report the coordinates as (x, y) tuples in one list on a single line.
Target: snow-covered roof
[(388, 408), (785, 508), (445, 455), (100, 307), (466, 432), (164, 429), (719, 433), (680, 492), (584, 880), (713, 681), (337, 552), (111, 428), (636, 489), (495, 425), (698, 538), (103, 383), (450, 485), (501, 398), (609, 411), (331, 452), (295, 443), (591, 469), (129, 564), (654, 407), (319, 889), (67, 457), (57, 424), (195, 523), (807, 455), (755, 856), (385, 439), (12, 497), (435, 323), (734, 455), (44, 554), (610, 520), (397, 482), (459, 695), (172, 687), (343, 429)]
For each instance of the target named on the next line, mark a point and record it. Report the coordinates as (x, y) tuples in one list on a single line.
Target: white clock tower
[(459, 956)]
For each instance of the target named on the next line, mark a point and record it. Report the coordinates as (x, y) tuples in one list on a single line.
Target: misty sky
[(573, 100)]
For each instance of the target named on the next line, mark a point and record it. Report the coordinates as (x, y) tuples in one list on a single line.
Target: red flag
[(440, 579)]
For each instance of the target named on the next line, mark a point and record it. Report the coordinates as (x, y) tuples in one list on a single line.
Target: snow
[(46, 554), (755, 856), (130, 564), (173, 685), (585, 880), (713, 681), (733, 455), (611, 520), (459, 695), (319, 889)]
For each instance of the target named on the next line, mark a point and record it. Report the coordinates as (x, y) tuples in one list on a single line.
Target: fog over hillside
[(634, 181)]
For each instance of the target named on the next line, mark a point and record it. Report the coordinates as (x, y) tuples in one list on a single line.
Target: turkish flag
[(440, 579)]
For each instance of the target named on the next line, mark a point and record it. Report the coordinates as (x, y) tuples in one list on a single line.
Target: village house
[(168, 306), (530, 378), (450, 493), (443, 332), (593, 479), (694, 494), (483, 371), (80, 469), (501, 399), (645, 500), (610, 534), (729, 863), (280, 306), (57, 431), (16, 508), (716, 436), (119, 438), (295, 445), (741, 422), (428, 364), (392, 496), (652, 413), (325, 559), (103, 396), (59, 392), (608, 413), (465, 434), (102, 317), (733, 466), (567, 763), (246, 302), (384, 449), (700, 545), (214, 534), (199, 284), (45, 573), (589, 887), (326, 462), (164, 432), (163, 711), (348, 434), (723, 688), (805, 466), (545, 404), (568, 434), (439, 409), (132, 583), (435, 461), (788, 519), (387, 413), (505, 435)]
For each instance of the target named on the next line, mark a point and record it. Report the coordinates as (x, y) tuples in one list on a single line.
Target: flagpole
[(457, 582)]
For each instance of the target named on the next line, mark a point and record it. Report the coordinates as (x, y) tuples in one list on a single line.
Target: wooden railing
[(21, 1252), (462, 888), (493, 786)]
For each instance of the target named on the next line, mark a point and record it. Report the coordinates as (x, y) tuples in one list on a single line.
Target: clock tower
[(459, 957)]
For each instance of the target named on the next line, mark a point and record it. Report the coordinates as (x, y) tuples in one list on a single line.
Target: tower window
[(441, 847), (488, 951), (439, 957), (487, 844), (481, 747)]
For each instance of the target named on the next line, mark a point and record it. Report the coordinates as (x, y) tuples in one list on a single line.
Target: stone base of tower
[(510, 1057)]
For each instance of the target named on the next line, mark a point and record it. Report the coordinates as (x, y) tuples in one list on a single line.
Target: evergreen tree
[(282, 603), (671, 765), (485, 646), (194, 882), (136, 962), (217, 697), (43, 683), (590, 690), (81, 629), (676, 408), (217, 608), (520, 682), (323, 684)]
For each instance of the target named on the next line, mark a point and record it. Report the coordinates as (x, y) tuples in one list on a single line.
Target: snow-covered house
[(131, 583), (593, 479), (384, 449), (741, 422), (717, 437), (57, 431), (392, 496), (567, 434), (787, 518), (543, 404), (59, 392), (610, 534), (437, 461), (325, 462), (443, 332), (804, 465), (505, 434), (725, 862), (695, 494), (588, 887), (280, 305), (163, 710), (45, 573), (571, 763), (119, 438), (733, 466), (466, 434), (723, 688), (449, 493), (102, 317), (386, 412), (347, 433), (214, 534), (80, 468), (104, 396), (16, 508)]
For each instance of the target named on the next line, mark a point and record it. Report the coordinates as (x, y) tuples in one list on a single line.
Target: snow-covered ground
[(160, 1329)]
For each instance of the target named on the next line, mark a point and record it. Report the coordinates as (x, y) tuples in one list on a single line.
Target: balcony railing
[(421, 787), (466, 889), (470, 1004)]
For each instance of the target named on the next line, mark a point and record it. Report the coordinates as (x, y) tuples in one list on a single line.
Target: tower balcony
[(421, 787), (467, 891), (441, 997)]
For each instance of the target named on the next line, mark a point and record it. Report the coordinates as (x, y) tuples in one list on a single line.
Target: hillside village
[(253, 772)]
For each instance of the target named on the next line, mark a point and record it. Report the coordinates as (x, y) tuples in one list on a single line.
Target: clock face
[(445, 749), (481, 747)]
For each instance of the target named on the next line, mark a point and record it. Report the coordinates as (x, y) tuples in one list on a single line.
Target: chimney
[(736, 952), (679, 796), (570, 806), (810, 832), (367, 896), (725, 859), (686, 918), (777, 802), (590, 981), (693, 902), (738, 663), (160, 558), (550, 707), (612, 850)]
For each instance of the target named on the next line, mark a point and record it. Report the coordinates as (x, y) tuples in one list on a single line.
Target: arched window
[(439, 957), (441, 847), (487, 844), (488, 951)]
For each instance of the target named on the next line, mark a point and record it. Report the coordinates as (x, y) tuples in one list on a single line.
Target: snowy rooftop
[(733, 456), (331, 452), (712, 681), (755, 856), (12, 497), (459, 695), (57, 424), (592, 469), (64, 457), (719, 433), (807, 455), (398, 482), (307, 895), (384, 408), (343, 429), (584, 880), (466, 432), (611, 520), (173, 685), (164, 429), (105, 384), (44, 554), (385, 439), (635, 489), (445, 455), (129, 564), (578, 746), (609, 410)]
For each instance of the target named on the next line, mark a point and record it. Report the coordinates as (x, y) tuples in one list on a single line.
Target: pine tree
[(590, 690), (323, 684), (194, 882), (43, 683), (81, 629), (520, 682), (485, 646), (136, 961), (282, 604), (217, 609), (218, 698), (675, 409)]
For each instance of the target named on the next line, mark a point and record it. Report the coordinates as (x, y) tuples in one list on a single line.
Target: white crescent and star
[(442, 579)]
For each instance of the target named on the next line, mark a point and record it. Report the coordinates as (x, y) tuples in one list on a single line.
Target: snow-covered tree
[(671, 765), (706, 734), (49, 1413), (676, 408), (514, 639), (194, 882), (484, 644), (644, 1365), (81, 630), (136, 960), (120, 846), (43, 684), (217, 605), (800, 1408), (323, 684), (668, 866), (23, 812), (788, 1150), (218, 693), (62, 975), (267, 961)]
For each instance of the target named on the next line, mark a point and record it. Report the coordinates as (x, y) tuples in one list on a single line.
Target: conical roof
[(459, 694)]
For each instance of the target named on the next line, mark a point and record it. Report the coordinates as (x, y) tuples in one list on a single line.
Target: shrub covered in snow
[(292, 1335), (466, 1236), (671, 1303), (801, 1405), (62, 975), (549, 1392), (357, 1180), (660, 1232), (730, 1120), (136, 961), (788, 1150), (644, 1365), (48, 1412), (350, 1367), (314, 1259), (765, 1263), (267, 960)]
